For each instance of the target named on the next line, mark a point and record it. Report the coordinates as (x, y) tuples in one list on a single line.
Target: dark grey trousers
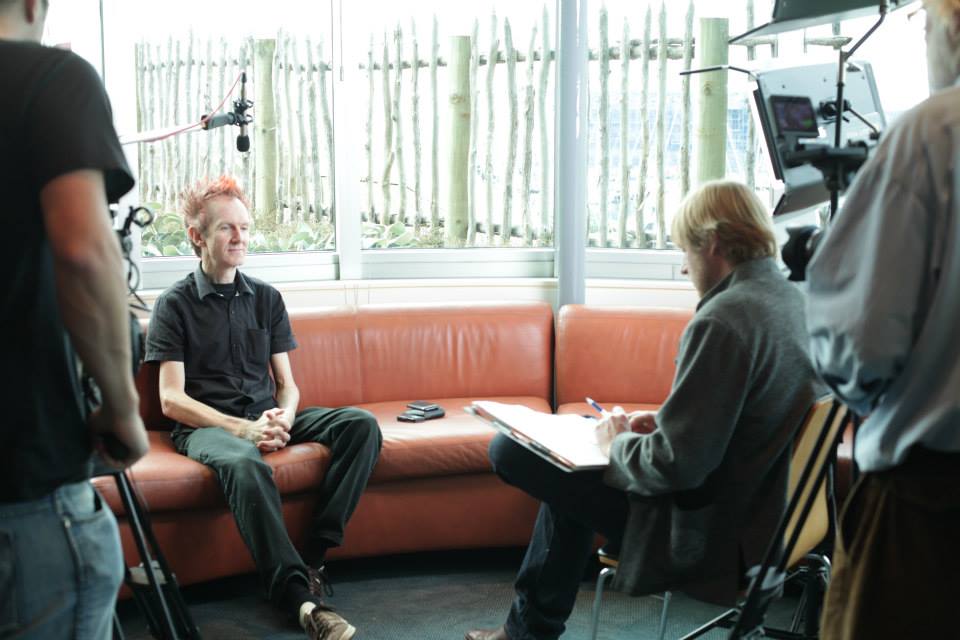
[(354, 439), (573, 507)]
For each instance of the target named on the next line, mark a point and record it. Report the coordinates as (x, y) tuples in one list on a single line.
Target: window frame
[(348, 261)]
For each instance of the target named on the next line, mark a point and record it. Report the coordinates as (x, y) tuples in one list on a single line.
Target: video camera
[(818, 133), (140, 217)]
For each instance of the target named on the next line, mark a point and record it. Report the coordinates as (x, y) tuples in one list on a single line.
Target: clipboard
[(566, 441)]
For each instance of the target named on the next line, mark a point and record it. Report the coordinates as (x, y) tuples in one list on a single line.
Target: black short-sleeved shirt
[(54, 119), (225, 343)]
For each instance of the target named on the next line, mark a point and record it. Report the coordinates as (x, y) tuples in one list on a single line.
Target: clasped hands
[(612, 423), (270, 432)]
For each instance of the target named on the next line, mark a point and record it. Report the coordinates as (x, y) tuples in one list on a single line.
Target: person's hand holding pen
[(612, 423)]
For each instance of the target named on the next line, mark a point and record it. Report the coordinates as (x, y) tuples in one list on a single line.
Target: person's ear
[(196, 238), (712, 246)]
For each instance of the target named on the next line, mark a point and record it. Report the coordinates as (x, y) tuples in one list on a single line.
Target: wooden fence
[(289, 177), (487, 99)]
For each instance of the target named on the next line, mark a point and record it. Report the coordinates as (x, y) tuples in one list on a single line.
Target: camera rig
[(818, 134)]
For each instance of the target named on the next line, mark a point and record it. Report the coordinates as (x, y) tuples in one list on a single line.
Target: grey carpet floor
[(432, 596)]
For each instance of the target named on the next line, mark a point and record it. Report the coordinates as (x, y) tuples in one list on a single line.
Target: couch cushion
[(167, 481), (617, 353), (349, 356), (454, 444)]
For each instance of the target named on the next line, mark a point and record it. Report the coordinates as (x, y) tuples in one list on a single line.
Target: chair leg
[(721, 620), (602, 579), (663, 615), (117, 629)]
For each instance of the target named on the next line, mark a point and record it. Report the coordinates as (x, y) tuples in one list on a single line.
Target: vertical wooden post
[(488, 166), (474, 120), (368, 147), (150, 150), (662, 128), (603, 114), (387, 132), (398, 125), (139, 66), (223, 73), (687, 108), (291, 140), (506, 228), (306, 152), (527, 166), (625, 48), (323, 68), (546, 229), (281, 127), (246, 51), (189, 95), (459, 110), (645, 132), (712, 49), (417, 148), (314, 77), (207, 108), (435, 133), (265, 129), (179, 179)]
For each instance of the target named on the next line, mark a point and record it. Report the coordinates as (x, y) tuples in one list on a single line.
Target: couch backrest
[(353, 355), (617, 354), (377, 353)]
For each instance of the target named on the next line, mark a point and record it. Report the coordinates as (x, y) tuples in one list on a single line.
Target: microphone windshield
[(243, 143)]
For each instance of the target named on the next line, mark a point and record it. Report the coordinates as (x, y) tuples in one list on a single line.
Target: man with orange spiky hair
[(219, 335)]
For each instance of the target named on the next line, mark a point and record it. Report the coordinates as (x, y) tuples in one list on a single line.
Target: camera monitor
[(790, 107), (794, 114)]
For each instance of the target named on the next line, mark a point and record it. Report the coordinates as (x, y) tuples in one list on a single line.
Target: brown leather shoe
[(487, 634)]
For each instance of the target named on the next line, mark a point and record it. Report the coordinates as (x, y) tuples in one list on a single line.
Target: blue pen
[(596, 407)]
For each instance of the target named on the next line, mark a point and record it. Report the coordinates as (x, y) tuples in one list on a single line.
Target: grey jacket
[(708, 486)]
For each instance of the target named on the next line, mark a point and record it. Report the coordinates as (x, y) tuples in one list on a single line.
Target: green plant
[(166, 237)]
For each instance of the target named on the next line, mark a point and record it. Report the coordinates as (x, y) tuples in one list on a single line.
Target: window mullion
[(571, 151), (346, 131)]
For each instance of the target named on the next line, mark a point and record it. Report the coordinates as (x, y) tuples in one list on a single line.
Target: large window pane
[(457, 152), (181, 74), (644, 143)]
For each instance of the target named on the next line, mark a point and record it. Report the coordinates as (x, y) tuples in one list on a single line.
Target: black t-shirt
[(54, 119), (224, 341)]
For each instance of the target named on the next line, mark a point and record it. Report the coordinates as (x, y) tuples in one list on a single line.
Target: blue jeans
[(60, 566), (574, 506)]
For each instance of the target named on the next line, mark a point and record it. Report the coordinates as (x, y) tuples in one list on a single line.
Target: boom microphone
[(219, 120), (243, 140)]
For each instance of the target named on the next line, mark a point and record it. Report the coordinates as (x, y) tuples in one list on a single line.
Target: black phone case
[(423, 405)]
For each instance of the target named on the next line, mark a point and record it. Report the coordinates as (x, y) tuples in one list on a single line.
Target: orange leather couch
[(432, 487), (591, 343), (616, 356)]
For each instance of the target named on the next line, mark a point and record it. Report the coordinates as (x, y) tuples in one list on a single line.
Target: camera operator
[(883, 311), (60, 557)]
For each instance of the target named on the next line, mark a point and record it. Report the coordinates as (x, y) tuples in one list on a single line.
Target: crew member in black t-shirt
[(218, 335), (62, 292)]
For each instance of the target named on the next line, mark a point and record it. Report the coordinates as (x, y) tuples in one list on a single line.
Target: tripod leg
[(178, 606), (117, 629), (167, 629)]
